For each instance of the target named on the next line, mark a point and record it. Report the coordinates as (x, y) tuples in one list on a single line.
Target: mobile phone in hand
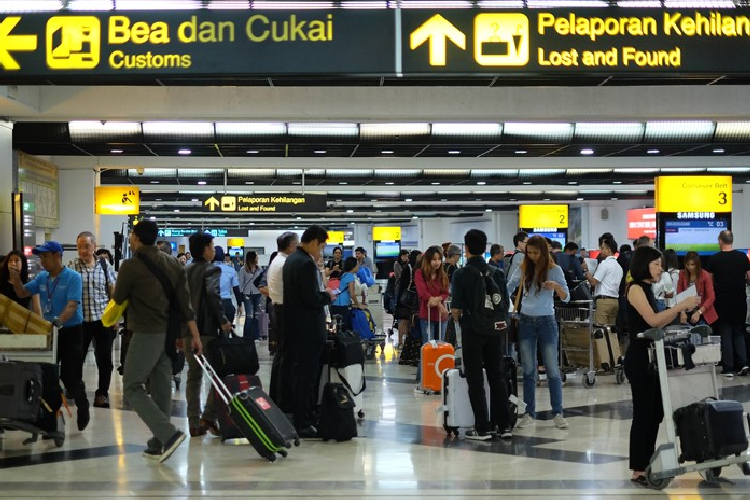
[(500, 325)]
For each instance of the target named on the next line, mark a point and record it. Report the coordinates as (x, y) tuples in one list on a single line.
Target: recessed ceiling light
[(155, 182), (407, 200), (413, 216), (176, 209), (350, 211), (184, 151), (152, 218), (527, 183), (579, 199), (512, 199), (195, 199), (435, 183), (614, 198), (158, 199), (546, 199), (616, 182), (587, 151), (343, 183), (481, 183), (296, 182), (521, 151), (389, 183), (299, 218), (320, 151), (386, 152), (252, 152), (454, 152), (115, 151), (249, 182), (573, 182), (488, 210), (718, 151), (296, 227), (251, 223), (653, 151), (338, 200), (201, 183)]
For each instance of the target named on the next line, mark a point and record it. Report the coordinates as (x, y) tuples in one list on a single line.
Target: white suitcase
[(456, 408), (354, 379)]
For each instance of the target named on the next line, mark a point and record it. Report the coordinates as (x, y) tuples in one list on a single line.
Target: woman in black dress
[(646, 269)]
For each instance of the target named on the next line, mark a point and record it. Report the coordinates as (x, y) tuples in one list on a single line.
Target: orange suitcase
[(436, 357)]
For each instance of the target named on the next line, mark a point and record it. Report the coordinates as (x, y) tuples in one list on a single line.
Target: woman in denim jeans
[(431, 282), (542, 280), (251, 295)]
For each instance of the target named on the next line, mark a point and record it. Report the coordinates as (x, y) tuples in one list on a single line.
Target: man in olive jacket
[(148, 317), (203, 280)]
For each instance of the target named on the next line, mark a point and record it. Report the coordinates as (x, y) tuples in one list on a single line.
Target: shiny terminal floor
[(401, 452)]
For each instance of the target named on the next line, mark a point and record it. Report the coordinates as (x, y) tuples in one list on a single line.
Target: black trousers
[(103, 338), (308, 359), (486, 352), (69, 355), (648, 413), (280, 372), (229, 310)]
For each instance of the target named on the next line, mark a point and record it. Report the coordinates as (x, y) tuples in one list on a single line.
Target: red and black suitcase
[(261, 422), (235, 384)]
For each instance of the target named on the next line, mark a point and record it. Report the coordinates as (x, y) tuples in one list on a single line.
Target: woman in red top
[(432, 285), (704, 287)]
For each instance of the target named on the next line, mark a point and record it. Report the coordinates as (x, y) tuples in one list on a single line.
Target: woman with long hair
[(539, 280), (404, 313), (335, 266), (401, 261), (249, 274), (694, 275), (642, 314), (17, 260), (433, 287)]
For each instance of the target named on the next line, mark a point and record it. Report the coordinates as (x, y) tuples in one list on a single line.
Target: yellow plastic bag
[(113, 312)]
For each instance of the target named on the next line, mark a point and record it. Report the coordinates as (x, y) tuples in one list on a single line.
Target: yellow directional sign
[(73, 42), (437, 30), (693, 193), (212, 203), (10, 43), (501, 39), (228, 203), (117, 200), (552, 216)]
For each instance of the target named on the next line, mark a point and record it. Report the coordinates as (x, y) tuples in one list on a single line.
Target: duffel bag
[(232, 355)]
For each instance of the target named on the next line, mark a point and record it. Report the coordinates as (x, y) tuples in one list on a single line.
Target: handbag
[(345, 350), (581, 291), (233, 355), (513, 324)]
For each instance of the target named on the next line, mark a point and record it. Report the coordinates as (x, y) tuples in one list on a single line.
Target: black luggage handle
[(30, 391)]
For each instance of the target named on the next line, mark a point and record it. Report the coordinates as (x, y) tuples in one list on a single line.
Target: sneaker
[(418, 389), (150, 454), (744, 371), (560, 421), (478, 436), (506, 434), (171, 445), (525, 421), (727, 374), (101, 401)]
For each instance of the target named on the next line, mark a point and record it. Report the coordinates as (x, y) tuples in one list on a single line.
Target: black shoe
[(101, 401), (171, 445), (744, 371), (83, 418), (308, 432), (478, 436)]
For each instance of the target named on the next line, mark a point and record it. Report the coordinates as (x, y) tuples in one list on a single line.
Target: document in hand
[(686, 294)]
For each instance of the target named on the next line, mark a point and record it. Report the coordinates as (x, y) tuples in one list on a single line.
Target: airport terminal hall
[(358, 249)]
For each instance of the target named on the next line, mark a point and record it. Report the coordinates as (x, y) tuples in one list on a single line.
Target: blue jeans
[(437, 327), (252, 306), (541, 330)]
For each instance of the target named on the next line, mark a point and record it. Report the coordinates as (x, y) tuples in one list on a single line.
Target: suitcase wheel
[(271, 457), (283, 453), (361, 414), (296, 442), (745, 468), (59, 442), (619, 376)]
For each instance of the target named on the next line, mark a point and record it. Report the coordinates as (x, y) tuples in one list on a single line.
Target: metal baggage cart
[(374, 303), (578, 314), (681, 386)]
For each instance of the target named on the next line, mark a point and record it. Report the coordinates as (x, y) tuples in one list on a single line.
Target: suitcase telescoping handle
[(441, 336), (221, 388)]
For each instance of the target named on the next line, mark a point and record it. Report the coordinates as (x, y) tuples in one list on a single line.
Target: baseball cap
[(48, 247)]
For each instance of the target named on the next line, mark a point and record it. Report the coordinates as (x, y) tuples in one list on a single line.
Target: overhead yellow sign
[(501, 39), (117, 200), (335, 237), (386, 233), (438, 30), (73, 42), (236, 242), (9, 43), (530, 216), (691, 193)]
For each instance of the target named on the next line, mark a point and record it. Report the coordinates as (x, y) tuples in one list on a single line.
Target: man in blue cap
[(228, 285), (60, 290)]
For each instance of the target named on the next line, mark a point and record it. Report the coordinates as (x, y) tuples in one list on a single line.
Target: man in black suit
[(305, 335)]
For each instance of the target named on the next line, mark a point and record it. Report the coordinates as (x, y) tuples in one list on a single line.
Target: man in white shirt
[(280, 372), (606, 283)]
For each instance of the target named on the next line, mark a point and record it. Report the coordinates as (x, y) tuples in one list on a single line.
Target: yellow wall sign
[(530, 216), (691, 193), (235, 242), (117, 200), (335, 237), (386, 233)]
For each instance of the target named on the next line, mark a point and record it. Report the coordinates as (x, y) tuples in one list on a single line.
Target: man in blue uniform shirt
[(228, 285), (60, 290)]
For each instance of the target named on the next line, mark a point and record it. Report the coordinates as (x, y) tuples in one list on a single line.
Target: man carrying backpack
[(480, 300)]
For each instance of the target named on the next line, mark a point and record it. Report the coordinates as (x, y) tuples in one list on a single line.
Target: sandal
[(640, 480)]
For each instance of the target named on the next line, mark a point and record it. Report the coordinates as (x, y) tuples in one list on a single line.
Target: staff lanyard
[(51, 291)]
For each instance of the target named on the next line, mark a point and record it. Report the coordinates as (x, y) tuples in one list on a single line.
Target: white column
[(8, 183), (76, 205)]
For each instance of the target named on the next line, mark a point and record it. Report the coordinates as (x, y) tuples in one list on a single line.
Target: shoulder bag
[(513, 324), (174, 323)]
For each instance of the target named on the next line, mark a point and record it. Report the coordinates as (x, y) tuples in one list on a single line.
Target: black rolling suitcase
[(20, 391), (710, 430), (257, 417), (511, 378), (235, 384), (337, 413)]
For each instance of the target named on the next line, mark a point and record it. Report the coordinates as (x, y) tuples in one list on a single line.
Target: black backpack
[(486, 306), (337, 418)]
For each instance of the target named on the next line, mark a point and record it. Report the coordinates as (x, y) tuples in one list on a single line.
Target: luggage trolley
[(680, 387), (36, 349), (377, 311)]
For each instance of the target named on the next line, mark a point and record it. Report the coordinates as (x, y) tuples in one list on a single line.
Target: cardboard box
[(20, 320), (575, 338)]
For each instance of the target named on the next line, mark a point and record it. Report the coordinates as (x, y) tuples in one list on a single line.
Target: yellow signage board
[(235, 242), (543, 216), (691, 193), (117, 200), (386, 233), (335, 237)]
